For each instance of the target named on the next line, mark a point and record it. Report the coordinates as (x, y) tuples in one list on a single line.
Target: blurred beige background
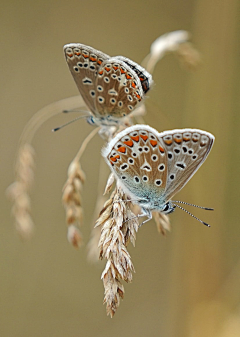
[(187, 284)]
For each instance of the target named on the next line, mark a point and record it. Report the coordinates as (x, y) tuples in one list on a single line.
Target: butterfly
[(111, 87), (151, 167)]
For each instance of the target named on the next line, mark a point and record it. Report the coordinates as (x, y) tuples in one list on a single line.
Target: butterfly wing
[(187, 149), (118, 89), (138, 159), (143, 75), (83, 62)]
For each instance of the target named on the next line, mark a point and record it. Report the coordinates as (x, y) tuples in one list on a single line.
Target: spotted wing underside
[(139, 161), (187, 150), (143, 75), (118, 89), (83, 62)]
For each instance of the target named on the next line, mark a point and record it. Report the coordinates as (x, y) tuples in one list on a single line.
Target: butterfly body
[(112, 87), (151, 167)]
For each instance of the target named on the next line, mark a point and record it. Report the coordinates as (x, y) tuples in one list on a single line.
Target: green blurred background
[(187, 284)]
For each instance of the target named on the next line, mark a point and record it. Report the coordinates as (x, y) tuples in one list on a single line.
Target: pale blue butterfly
[(151, 167), (112, 87)]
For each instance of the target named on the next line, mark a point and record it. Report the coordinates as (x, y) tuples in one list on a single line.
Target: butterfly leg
[(146, 212)]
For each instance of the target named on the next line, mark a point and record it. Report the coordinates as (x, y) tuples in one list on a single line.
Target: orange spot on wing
[(168, 142), (177, 140), (122, 149), (128, 76), (129, 143), (133, 85), (144, 137), (93, 59), (115, 158), (153, 142), (70, 55), (115, 68), (186, 139), (122, 71), (85, 56), (99, 62), (138, 96), (161, 149), (77, 53), (101, 72), (135, 138), (194, 140), (108, 69)]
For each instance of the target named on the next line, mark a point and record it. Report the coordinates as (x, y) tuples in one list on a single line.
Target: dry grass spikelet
[(118, 227), (176, 42), (72, 194), (162, 222), (189, 56), (72, 202), (18, 192)]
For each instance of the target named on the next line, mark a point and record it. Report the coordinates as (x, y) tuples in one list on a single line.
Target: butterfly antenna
[(186, 203), (74, 120), (191, 215), (74, 110)]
